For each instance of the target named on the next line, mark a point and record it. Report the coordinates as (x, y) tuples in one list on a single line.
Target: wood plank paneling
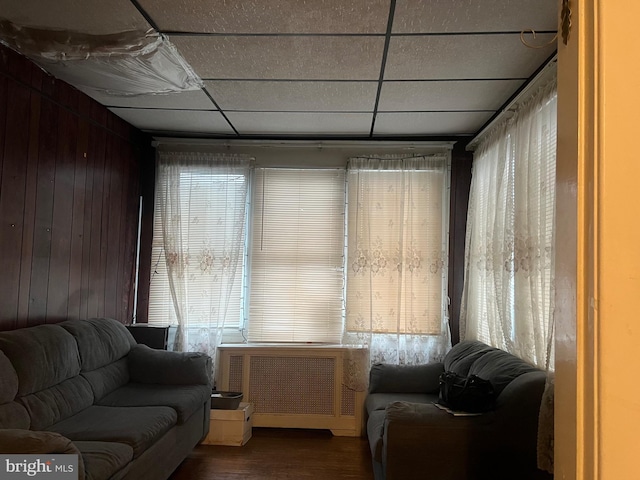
[(48, 144), (12, 189), (76, 292), (97, 146), (59, 265), (29, 207), (69, 187)]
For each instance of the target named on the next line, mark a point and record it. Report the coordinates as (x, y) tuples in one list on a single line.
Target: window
[(263, 250), (509, 272), (197, 251), (397, 251), (396, 246), (296, 256)]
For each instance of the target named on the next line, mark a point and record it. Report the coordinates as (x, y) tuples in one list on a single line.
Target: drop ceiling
[(365, 69)]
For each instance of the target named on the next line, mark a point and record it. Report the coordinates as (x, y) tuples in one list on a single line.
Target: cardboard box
[(230, 427)]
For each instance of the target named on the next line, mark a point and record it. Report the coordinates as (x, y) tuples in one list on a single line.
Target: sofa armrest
[(421, 441), (19, 441), (147, 365), (34, 442), (385, 378)]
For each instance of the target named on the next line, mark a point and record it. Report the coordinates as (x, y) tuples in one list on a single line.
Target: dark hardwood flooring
[(281, 454)]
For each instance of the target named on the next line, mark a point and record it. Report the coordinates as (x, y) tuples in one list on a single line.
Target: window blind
[(296, 256)]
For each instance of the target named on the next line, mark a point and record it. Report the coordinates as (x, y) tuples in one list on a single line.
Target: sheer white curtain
[(199, 237), (396, 301), (508, 296)]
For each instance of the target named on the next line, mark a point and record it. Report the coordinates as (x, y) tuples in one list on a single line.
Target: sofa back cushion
[(8, 380), (47, 365), (101, 341), (500, 368), (473, 357), (103, 344), (462, 356), (12, 414), (404, 378), (105, 380), (58, 402), (42, 356)]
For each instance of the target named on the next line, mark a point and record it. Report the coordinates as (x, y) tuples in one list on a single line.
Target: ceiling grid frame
[(412, 98)]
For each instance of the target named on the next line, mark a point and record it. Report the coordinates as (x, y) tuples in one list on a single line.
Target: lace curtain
[(199, 237), (396, 303), (508, 297), (508, 292)]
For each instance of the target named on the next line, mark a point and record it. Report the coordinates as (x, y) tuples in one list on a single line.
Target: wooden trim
[(461, 162)]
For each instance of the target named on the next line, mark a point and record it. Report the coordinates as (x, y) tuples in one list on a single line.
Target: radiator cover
[(293, 386)]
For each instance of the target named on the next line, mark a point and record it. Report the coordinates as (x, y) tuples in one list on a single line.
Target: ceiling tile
[(270, 16), (439, 16), (189, 121), (446, 95), (464, 57), (97, 17), (190, 100), (440, 123), (265, 123), (272, 57), (294, 96)]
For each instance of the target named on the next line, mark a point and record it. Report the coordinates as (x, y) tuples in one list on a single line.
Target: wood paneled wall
[(69, 189)]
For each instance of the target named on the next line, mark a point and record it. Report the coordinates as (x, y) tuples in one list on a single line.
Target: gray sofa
[(411, 438), (86, 387)]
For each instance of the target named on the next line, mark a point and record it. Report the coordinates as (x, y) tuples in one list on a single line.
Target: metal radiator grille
[(292, 385), (235, 373)]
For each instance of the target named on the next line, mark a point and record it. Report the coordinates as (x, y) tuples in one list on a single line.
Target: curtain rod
[(538, 80), (157, 141)]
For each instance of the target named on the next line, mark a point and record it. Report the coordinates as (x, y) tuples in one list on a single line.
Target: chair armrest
[(385, 378), (421, 441), (147, 365)]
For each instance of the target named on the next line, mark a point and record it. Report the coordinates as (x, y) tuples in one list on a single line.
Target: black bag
[(466, 394)]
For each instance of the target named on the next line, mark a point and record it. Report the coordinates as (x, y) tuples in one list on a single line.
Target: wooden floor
[(281, 454)]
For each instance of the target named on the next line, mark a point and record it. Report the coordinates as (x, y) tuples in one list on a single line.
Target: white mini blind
[(296, 256)]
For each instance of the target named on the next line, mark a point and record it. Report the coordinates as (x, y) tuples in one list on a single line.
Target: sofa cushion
[(375, 425), (56, 403), (463, 355), (14, 415), (42, 356), (105, 380), (404, 378), (379, 401), (500, 368), (103, 459), (138, 427), (101, 341), (184, 399), (8, 380)]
